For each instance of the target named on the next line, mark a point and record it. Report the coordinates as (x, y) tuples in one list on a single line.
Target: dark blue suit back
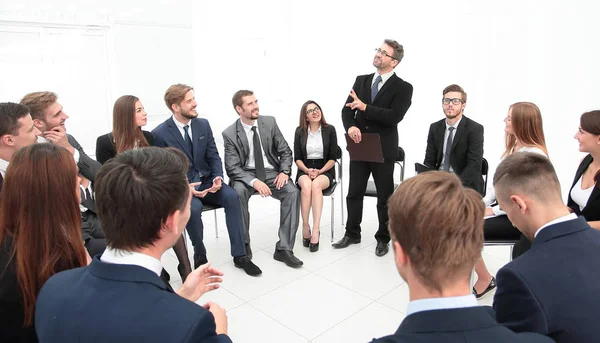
[(118, 303)]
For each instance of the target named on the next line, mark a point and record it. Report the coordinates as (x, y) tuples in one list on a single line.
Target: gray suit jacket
[(237, 149), (88, 167)]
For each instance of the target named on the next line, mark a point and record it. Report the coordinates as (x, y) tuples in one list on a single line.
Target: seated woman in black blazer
[(40, 232), (315, 152), (128, 118), (584, 195)]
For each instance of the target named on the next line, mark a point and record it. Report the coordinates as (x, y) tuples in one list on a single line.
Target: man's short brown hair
[(238, 97), (137, 191), (455, 88), (527, 173), (398, 49), (439, 225), (175, 94), (38, 102)]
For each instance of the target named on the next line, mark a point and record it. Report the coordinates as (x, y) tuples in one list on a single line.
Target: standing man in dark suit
[(455, 144), (259, 160), (436, 226), (16, 131), (49, 117), (377, 103), (143, 201), (193, 136), (554, 287)]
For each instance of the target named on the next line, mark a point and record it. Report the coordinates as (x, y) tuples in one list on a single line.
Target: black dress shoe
[(313, 247), (306, 242), (247, 265), (345, 242), (199, 261), (489, 288), (288, 258), (381, 249), (248, 251)]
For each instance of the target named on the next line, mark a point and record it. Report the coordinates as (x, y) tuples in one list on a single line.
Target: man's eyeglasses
[(313, 110), (385, 54), (454, 101)]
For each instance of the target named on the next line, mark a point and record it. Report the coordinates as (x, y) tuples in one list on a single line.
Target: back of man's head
[(528, 174), (137, 191), (439, 226), (10, 113)]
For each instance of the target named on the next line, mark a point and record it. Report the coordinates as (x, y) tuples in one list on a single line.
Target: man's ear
[(39, 124), (7, 140), (175, 108), (238, 109), (169, 227), (400, 256), (519, 201)]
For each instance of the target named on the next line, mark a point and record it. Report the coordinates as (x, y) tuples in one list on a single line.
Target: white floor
[(347, 295)]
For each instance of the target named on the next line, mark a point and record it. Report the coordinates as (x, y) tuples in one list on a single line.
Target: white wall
[(500, 53)]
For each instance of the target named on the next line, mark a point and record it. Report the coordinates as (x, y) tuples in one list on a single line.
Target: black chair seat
[(210, 207), (329, 190), (372, 190)]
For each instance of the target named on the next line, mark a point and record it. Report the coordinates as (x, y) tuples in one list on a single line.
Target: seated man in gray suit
[(252, 136), (49, 118), (436, 226)]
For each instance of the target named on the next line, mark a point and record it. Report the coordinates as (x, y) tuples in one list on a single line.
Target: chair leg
[(332, 216), (216, 224)]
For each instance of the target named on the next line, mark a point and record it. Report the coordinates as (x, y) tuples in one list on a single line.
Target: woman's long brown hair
[(39, 212), (125, 133), (526, 120), (303, 122), (590, 122)]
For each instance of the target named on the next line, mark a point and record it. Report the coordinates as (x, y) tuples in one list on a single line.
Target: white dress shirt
[(3, 167), (446, 133), (132, 258), (384, 78), (314, 144), (75, 151), (580, 195), (570, 216), (250, 137), (441, 303), (180, 126)]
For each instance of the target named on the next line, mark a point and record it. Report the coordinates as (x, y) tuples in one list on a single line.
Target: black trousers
[(500, 228), (383, 175)]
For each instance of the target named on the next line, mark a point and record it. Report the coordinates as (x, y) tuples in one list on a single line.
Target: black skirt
[(317, 164)]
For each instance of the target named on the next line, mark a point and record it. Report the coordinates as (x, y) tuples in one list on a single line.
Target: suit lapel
[(243, 141), (441, 131), (174, 130), (265, 139), (196, 133), (325, 136), (389, 83), (583, 167), (303, 141), (460, 130)]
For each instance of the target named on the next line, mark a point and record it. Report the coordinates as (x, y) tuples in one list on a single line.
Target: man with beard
[(259, 160), (377, 103), (49, 118), (455, 144), (193, 135)]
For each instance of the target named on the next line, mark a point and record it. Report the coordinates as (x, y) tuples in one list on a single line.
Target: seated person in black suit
[(437, 235), (455, 144), (16, 131), (554, 287), (315, 152), (143, 200), (40, 232), (49, 117)]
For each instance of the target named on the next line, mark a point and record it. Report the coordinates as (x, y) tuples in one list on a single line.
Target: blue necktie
[(375, 88), (188, 140)]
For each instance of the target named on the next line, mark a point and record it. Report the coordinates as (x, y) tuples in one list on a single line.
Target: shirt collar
[(3, 167), (441, 303), (384, 77), (570, 216), (249, 127), (117, 256), (316, 132), (42, 139), (455, 124), (179, 124)]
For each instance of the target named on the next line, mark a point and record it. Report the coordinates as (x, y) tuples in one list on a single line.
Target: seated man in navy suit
[(194, 137), (143, 201), (436, 226), (554, 288)]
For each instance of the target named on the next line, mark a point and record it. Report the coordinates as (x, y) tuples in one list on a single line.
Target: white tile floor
[(347, 295)]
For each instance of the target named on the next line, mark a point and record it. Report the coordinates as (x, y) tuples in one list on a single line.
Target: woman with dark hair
[(40, 232), (524, 132), (128, 118), (584, 195), (315, 152)]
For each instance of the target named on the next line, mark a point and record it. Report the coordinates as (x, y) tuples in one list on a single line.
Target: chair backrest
[(339, 162), (401, 162), (484, 172)]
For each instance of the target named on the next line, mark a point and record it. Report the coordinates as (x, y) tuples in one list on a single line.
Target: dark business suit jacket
[(467, 151), (105, 146), (118, 303), (461, 325), (88, 167), (205, 158), (383, 113), (330, 145), (237, 149), (554, 288), (591, 211)]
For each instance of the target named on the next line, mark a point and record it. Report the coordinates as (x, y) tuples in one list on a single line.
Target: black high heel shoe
[(314, 247), (306, 241)]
